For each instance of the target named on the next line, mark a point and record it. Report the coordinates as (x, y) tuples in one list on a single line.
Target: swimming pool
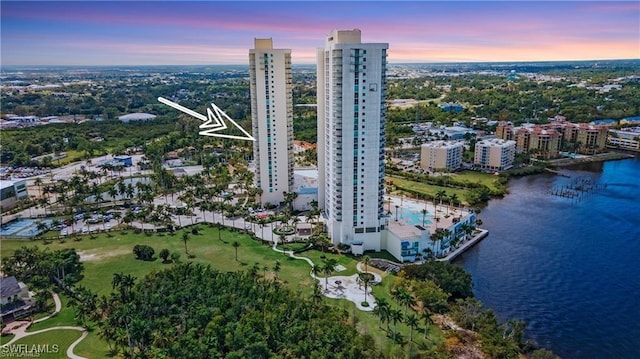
[(413, 217), (24, 227)]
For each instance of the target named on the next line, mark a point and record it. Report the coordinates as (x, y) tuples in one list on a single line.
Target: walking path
[(342, 287), (19, 329), (56, 300)]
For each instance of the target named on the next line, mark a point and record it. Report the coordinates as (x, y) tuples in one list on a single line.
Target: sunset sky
[(213, 32)]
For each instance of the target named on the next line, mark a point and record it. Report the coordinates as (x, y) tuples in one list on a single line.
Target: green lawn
[(54, 343), (72, 156), (6, 338), (489, 180), (368, 322), (92, 346), (341, 259), (425, 188), (104, 256), (65, 317)]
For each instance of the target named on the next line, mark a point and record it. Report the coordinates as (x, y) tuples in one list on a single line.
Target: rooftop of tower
[(345, 36)]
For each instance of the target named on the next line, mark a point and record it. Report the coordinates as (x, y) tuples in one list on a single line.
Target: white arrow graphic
[(214, 121)]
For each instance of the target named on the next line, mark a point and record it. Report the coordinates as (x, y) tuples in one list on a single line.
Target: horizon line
[(314, 64)]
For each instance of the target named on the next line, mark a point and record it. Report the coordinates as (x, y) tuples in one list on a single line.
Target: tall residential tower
[(351, 79), (272, 116)]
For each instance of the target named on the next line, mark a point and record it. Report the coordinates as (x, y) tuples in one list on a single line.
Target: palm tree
[(113, 192), (397, 295), (382, 310), (129, 217), (38, 182), (412, 322), (43, 202), (141, 216), (235, 246), (436, 238), (426, 318), (366, 260), (396, 316), (314, 214), (185, 238), (130, 191), (116, 280), (321, 240), (365, 278), (406, 298), (329, 266), (315, 270), (453, 199), (41, 227), (424, 216), (127, 283), (439, 196), (117, 216)]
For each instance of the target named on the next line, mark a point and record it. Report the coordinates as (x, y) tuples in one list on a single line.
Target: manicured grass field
[(425, 188), (6, 338), (104, 256), (92, 346), (61, 338), (489, 180), (65, 317)]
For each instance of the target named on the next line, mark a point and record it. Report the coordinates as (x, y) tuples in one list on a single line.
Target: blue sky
[(213, 32)]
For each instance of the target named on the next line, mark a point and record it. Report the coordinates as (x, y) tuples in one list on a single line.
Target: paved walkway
[(342, 287), (19, 329), (56, 300), (21, 333)]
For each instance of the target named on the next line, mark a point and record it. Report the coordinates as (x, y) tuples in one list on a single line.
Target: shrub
[(143, 252)]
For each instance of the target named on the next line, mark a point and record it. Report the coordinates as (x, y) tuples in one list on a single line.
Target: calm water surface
[(569, 268)]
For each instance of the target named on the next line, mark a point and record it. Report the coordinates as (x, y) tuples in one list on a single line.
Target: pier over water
[(577, 188)]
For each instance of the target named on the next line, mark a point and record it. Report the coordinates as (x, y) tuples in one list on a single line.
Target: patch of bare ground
[(86, 256), (461, 343)]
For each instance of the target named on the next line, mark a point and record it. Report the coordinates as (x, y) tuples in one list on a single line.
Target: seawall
[(468, 244)]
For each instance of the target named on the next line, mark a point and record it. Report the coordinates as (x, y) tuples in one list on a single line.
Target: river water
[(569, 267)]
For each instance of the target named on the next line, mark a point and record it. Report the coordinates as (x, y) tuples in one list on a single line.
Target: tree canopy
[(193, 311), (451, 278)]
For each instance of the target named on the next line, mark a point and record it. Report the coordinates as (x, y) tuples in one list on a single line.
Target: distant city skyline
[(220, 33)]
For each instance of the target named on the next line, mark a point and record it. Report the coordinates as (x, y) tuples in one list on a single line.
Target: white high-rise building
[(441, 155), (272, 116), (351, 79), (495, 154)]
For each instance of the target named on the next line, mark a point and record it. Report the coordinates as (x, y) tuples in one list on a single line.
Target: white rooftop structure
[(137, 116)]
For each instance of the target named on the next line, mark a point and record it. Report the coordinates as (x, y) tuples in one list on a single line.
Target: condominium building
[(548, 140), (627, 139), (11, 192), (441, 155), (495, 154), (592, 138), (272, 118), (351, 78)]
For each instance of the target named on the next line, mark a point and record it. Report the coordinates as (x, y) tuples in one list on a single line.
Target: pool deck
[(407, 221)]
